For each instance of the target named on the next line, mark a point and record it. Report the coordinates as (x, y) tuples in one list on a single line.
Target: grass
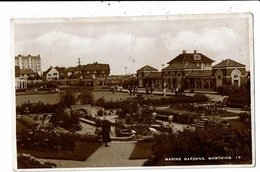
[(82, 151), (142, 150), (236, 124), (229, 114)]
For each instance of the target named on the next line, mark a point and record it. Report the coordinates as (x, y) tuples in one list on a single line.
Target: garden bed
[(81, 152)]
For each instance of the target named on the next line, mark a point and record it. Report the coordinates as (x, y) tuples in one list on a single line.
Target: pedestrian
[(151, 89), (147, 90), (133, 90), (106, 128), (113, 90), (164, 92)]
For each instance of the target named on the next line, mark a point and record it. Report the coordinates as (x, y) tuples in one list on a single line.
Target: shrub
[(45, 139), (67, 99), (202, 143), (86, 97), (200, 97)]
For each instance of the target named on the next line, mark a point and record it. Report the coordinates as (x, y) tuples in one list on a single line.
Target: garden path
[(117, 155)]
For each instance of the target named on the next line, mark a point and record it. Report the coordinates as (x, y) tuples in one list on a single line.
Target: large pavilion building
[(189, 70), (194, 71)]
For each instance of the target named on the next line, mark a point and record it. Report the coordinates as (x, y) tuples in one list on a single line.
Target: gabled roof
[(189, 57), (228, 63), (95, 66), (71, 69), (199, 73), (181, 65), (147, 68), (60, 69), (17, 71)]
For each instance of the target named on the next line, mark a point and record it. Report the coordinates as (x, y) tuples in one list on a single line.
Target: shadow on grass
[(82, 151), (142, 150)]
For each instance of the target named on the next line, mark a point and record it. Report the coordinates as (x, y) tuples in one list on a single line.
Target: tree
[(86, 97), (67, 99)]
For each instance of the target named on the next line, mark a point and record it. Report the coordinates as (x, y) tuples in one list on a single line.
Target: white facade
[(52, 74), (29, 62)]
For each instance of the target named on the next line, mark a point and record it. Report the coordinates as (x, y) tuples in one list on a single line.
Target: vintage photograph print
[(140, 91)]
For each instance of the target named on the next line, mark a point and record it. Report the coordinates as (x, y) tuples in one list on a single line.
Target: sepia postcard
[(133, 92)]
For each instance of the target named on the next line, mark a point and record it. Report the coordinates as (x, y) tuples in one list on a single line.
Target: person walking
[(164, 92), (106, 128)]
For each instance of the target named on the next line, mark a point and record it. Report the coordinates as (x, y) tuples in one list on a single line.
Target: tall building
[(29, 62)]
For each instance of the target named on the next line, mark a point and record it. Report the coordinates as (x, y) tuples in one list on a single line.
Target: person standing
[(147, 90), (106, 128), (152, 88)]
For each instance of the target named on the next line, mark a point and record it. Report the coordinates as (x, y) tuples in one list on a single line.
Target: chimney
[(19, 55), (195, 51), (184, 51), (29, 55)]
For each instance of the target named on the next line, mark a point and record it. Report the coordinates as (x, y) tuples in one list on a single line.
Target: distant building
[(95, 70), (27, 74), (19, 82), (229, 72), (54, 73), (29, 62), (148, 75), (188, 70)]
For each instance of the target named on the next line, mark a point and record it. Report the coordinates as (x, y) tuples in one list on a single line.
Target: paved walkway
[(117, 155)]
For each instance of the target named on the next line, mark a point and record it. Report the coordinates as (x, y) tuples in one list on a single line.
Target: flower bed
[(178, 116)]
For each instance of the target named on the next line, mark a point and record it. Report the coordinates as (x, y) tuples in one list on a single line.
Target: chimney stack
[(195, 51), (184, 51)]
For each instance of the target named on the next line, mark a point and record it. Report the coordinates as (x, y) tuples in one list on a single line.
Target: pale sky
[(131, 43)]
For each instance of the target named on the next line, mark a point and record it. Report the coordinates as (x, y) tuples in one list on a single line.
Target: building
[(95, 70), (71, 72), (19, 82), (29, 62), (229, 72), (54, 73), (148, 75), (189, 71), (27, 74)]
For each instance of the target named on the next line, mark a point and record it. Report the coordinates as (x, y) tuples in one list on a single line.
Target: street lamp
[(125, 70)]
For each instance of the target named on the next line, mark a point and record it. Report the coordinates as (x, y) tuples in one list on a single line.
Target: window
[(197, 57), (55, 74), (207, 65), (49, 74)]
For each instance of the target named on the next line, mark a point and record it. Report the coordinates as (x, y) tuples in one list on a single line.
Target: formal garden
[(145, 119)]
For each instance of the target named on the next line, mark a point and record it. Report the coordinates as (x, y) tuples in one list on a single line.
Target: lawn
[(82, 151), (237, 124), (142, 150), (229, 114)]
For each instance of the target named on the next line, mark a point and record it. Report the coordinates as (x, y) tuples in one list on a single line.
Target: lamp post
[(125, 70)]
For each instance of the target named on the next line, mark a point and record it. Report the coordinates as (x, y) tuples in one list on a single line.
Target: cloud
[(131, 44)]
